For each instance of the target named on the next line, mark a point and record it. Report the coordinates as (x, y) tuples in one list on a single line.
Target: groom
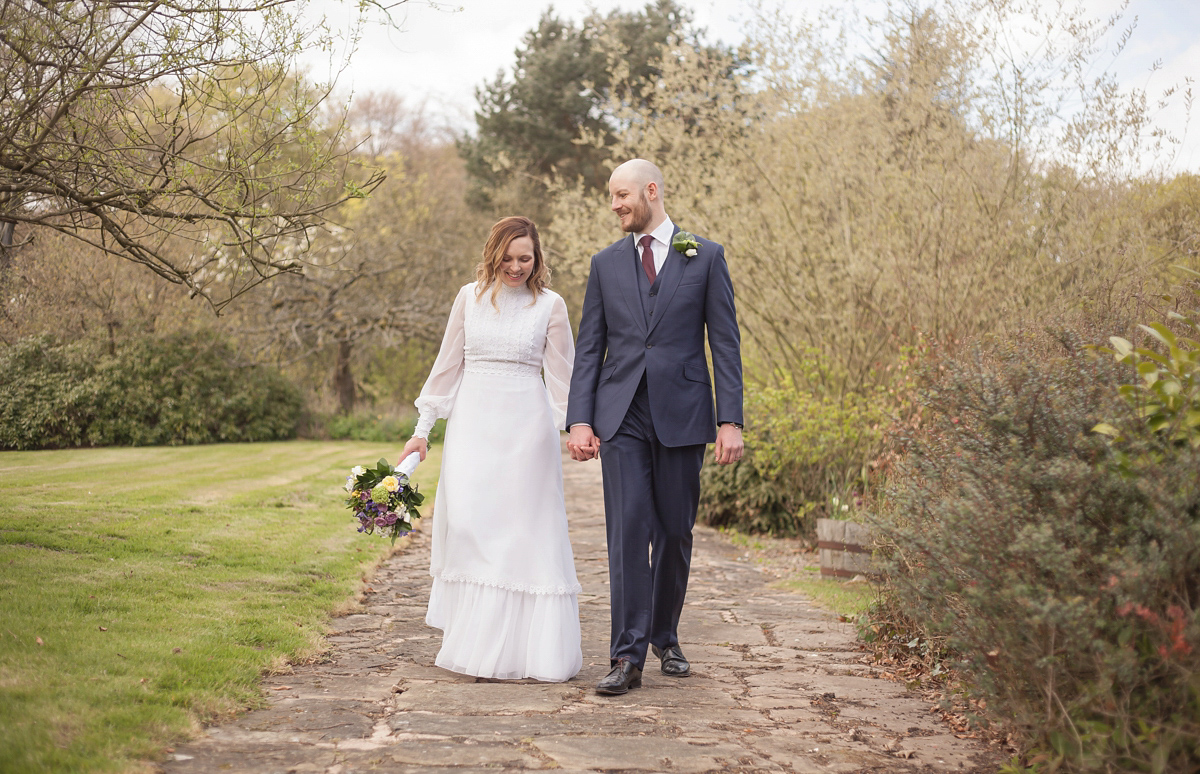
[(641, 388)]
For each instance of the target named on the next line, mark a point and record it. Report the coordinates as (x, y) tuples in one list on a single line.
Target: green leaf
[(1185, 270), (1105, 428), (1158, 761), (1122, 346), (1160, 332), (1150, 354)]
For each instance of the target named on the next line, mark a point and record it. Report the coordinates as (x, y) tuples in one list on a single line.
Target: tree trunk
[(343, 379), (6, 243)]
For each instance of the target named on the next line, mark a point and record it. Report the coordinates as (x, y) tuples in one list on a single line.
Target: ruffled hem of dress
[(461, 577), (507, 635)]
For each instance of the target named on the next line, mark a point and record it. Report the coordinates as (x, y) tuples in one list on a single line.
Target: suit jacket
[(616, 345)]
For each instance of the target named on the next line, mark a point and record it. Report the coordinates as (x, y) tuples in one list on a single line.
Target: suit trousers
[(650, 496)]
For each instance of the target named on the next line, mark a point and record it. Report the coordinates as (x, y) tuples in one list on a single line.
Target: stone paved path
[(777, 687)]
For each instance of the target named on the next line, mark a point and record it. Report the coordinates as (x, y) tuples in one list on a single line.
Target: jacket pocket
[(695, 373), (607, 371)]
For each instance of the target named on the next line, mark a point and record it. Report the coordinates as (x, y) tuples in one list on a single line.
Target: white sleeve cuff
[(424, 425)]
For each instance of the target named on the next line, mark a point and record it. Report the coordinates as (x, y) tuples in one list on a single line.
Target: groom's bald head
[(636, 189), (638, 173)]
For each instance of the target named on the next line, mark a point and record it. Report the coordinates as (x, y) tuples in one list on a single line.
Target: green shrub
[(1060, 570), (806, 449), (1167, 392), (371, 427), (179, 389)]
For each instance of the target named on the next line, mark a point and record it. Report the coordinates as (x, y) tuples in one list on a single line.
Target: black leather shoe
[(622, 677), (673, 662)]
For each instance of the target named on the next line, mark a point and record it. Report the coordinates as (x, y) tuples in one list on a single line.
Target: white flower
[(690, 252), (349, 483), (845, 508), (357, 470), (836, 502), (390, 483)]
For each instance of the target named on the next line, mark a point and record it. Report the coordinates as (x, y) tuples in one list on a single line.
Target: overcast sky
[(444, 50)]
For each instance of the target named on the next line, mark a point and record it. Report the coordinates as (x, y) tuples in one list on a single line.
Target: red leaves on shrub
[(1172, 627)]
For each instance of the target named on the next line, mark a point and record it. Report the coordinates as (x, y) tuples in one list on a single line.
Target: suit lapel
[(672, 273), (624, 257)]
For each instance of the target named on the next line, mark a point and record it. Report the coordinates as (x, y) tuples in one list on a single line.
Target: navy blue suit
[(641, 380)]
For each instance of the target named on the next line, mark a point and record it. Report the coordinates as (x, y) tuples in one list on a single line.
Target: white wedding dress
[(504, 592)]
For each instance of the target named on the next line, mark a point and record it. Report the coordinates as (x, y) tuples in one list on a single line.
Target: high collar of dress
[(506, 289)]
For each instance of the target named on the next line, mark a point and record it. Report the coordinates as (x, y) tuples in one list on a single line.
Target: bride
[(504, 592)]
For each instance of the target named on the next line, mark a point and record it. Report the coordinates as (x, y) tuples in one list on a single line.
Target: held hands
[(583, 443), (729, 444), (415, 444)]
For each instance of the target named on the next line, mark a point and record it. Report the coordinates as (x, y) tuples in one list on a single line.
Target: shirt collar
[(662, 233)]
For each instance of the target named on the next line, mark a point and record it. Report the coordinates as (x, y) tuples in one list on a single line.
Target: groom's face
[(631, 206)]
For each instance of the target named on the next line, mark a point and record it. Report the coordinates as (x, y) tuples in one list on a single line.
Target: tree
[(531, 124), (939, 185), (61, 286), (386, 274), (125, 124)]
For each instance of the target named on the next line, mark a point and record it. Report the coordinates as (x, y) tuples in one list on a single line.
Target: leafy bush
[(1167, 392), (369, 427), (1060, 570), (806, 448), (179, 389)]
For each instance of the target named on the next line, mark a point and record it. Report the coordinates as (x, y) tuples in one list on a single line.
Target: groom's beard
[(641, 215)]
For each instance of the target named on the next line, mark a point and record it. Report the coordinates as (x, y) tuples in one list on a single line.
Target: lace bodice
[(518, 336)]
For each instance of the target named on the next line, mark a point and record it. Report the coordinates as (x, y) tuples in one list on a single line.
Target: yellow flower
[(390, 483)]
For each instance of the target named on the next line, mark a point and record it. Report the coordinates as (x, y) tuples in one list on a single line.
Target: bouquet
[(383, 499)]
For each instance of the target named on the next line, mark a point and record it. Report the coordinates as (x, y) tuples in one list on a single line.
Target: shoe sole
[(678, 674), (609, 692)]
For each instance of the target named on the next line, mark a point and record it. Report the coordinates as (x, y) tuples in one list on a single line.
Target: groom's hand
[(583, 443), (729, 444)]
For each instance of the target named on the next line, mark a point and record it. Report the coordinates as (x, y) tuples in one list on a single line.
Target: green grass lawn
[(842, 597), (145, 590)]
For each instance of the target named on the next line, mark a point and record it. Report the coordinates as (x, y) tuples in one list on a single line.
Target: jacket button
[(649, 346), (652, 295)]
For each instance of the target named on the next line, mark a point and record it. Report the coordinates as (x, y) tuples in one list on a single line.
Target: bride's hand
[(415, 444)]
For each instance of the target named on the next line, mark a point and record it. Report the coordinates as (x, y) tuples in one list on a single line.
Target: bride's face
[(517, 264)]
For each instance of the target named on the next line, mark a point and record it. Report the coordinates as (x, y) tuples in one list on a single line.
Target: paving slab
[(640, 753), (456, 697), (776, 687)]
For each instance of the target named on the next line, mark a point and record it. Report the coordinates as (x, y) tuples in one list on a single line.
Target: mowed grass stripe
[(163, 582)]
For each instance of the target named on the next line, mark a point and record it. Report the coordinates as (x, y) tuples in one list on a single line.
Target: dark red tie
[(648, 257)]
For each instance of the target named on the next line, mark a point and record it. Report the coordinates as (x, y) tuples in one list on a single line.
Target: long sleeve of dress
[(558, 359), (436, 400)]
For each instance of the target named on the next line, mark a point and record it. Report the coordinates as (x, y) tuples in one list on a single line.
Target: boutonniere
[(686, 243)]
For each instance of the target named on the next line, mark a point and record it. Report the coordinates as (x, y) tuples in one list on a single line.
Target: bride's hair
[(503, 233)]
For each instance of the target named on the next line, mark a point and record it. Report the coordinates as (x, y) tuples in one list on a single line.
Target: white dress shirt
[(660, 245)]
